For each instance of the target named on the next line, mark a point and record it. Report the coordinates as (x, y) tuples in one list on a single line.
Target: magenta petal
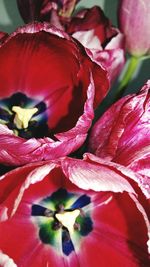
[(125, 136), (101, 177), (142, 182), (113, 60)]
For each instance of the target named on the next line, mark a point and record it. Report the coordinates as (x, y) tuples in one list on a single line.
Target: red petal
[(116, 238)]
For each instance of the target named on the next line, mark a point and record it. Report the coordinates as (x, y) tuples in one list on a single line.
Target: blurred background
[(10, 20)]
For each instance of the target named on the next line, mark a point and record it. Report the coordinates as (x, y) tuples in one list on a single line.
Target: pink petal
[(134, 21), (124, 137), (99, 177), (113, 60)]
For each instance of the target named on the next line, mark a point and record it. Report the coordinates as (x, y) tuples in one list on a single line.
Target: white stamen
[(68, 219)]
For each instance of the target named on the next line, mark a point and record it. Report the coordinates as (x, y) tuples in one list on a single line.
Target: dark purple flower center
[(63, 213), (25, 116)]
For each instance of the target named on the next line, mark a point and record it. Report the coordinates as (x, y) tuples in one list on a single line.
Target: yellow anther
[(68, 218), (23, 116)]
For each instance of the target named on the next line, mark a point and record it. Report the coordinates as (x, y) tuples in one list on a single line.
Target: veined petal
[(78, 82), (125, 137), (97, 178), (108, 220)]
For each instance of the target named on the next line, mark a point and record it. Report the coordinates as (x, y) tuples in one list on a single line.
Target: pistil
[(68, 218), (23, 116)]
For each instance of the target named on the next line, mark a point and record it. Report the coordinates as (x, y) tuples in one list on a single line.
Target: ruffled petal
[(79, 83), (99, 177), (125, 136)]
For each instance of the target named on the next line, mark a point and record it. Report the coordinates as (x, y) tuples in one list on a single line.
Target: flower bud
[(134, 21)]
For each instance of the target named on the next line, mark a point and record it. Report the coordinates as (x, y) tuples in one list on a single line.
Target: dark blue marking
[(38, 210), (67, 245), (37, 127), (61, 196), (17, 99), (86, 226), (4, 114), (81, 202)]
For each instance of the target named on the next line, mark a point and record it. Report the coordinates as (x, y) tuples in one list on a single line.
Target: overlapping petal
[(94, 31), (120, 226), (89, 26), (70, 89), (125, 137), (42, 10)]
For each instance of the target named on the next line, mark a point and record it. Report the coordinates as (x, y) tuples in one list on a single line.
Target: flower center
[(25, 116), (68, 218), (63, 214)]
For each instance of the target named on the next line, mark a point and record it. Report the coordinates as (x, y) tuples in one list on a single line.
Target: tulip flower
[(122, 134), (93, 29), (43, 10), (49, 89), (89, 26), (66, 211), (134, 21)]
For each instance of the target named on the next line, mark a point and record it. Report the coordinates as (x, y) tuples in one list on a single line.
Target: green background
[(10, 20)]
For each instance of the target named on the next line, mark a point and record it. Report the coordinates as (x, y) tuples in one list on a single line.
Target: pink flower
[(89, 26), (49, 88), (95, 32), (134, 21), (71, 212), (122, 134)]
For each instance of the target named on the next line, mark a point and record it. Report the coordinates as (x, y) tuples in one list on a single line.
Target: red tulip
[(89, 26), (64, 212), (42, 10), (47, 94), (134, 21), (122, 135)]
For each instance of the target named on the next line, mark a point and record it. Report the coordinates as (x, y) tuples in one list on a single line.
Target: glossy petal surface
[(69, 88), (125, 137), (114, 214)]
